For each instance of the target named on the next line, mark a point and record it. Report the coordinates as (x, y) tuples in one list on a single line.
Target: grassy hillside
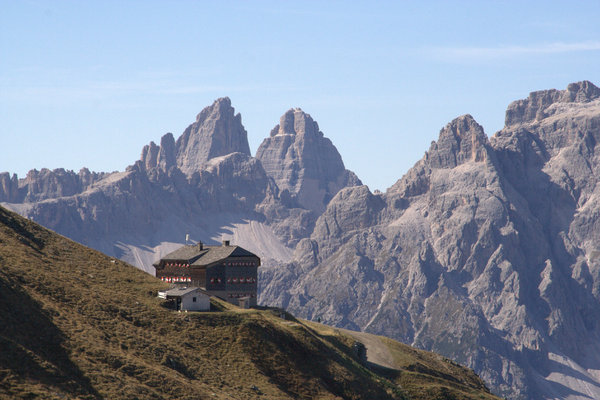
[(75, 323)]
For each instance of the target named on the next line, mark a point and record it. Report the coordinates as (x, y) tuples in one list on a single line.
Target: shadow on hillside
[(301, 365), (32, 346), (23, 233)]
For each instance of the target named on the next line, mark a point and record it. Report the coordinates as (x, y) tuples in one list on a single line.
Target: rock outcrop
[(46, 184), (538, 105), (9, 188), (162, 157), (304, 162)]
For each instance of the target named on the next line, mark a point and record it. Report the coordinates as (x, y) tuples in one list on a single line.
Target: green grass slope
[(76, 324)]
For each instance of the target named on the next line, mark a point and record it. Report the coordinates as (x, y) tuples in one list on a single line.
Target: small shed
[(188, 298)]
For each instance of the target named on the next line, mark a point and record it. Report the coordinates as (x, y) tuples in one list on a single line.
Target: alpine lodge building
[(226, 271)]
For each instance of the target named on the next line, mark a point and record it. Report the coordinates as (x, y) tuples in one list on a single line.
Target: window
[(194, 299)]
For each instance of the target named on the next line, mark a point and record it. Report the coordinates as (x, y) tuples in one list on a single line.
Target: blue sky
[(89, 83)]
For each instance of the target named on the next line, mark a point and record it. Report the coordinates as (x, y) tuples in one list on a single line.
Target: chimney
[(200, 246), (225, 243)]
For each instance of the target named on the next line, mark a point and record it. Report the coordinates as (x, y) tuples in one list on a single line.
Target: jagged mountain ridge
[(485, 251), (46, 184), (204, 183)]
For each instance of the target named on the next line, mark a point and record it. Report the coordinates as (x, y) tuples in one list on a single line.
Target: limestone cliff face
[(485, 251), (542, 104), (162, 157), (46, 184), (218, 131), (235, 182), (461, 141), (9, 188), (304, 162)]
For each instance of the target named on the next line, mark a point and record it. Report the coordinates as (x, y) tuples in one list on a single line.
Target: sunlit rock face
[(304, 162), (217, 131), (487, 251)]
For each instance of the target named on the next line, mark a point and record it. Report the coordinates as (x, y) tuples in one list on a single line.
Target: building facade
[(226, 271)]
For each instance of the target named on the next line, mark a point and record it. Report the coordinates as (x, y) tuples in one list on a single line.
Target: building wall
[(215, 277), (202, 302), (178, 274), (241, 281), (198, 277)]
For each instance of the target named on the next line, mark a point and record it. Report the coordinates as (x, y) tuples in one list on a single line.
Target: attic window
[(194, 299)]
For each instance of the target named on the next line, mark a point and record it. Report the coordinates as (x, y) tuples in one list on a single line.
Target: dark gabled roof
[(208, 255), (217, 253), (188, 253)]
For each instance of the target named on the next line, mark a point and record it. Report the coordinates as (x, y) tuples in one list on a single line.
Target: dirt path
[(377, 351)]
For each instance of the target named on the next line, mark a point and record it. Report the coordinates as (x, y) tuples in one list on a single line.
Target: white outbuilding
[(188, 298)]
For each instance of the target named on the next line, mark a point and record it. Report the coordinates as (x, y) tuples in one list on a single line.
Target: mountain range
[(485, 251)]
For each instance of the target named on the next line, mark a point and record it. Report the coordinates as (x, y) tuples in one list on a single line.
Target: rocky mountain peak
[(535, 107), (162, 156), (462, 140), (222, 104), (166, 155), (218, 131), (295, 121), (149, 155), (582, 92), (303, 161)]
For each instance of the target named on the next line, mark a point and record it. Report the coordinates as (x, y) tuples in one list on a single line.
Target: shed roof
[(178, 292)]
